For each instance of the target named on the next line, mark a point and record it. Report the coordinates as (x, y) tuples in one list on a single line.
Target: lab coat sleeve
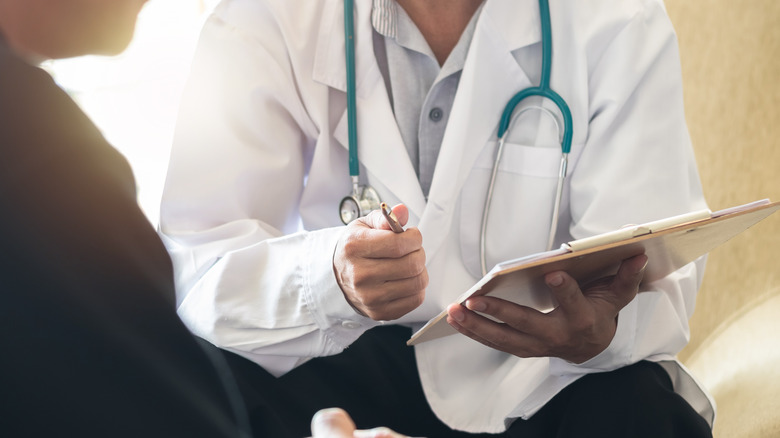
[(248, 280), (637, 165)]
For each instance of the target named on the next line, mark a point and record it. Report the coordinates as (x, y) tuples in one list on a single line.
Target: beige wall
[(730, 51)]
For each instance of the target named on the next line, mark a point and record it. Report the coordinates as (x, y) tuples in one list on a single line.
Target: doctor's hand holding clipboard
[(383, 276), (579, 328), (381, 272)]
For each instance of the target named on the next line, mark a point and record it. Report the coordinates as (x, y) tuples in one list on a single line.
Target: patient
[(91, 344)]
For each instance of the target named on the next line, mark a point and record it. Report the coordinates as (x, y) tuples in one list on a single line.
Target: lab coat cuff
[(337, 319), (616, 355)]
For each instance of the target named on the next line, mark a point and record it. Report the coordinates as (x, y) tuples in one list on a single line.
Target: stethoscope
[(364, 198)]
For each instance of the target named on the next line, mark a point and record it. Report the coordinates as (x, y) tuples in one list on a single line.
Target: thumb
[(401, 213), (332, 423), (377, 220)]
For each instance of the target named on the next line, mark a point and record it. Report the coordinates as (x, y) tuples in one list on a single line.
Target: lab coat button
[(350, 324), (436, 114)]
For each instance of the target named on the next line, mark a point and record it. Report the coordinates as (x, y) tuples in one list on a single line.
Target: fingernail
[(555, 280), (476, 306), (457, 314), (644, 265), (325, 415)]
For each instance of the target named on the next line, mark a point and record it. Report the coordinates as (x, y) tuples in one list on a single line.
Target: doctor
[(266, 271)]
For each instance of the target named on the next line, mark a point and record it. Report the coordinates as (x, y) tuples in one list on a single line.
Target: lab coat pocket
[(518, 220)]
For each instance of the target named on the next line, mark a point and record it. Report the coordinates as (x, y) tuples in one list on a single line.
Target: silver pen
[(391, 219)]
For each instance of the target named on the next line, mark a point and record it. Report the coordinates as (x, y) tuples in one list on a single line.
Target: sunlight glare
[(133, 97)]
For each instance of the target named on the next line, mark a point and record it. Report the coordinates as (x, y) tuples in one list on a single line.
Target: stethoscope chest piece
[(362, 201)]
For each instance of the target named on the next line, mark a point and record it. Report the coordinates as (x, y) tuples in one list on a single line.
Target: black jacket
[(90, 343)]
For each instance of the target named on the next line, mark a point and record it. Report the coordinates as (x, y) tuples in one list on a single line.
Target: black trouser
[(375, 380)]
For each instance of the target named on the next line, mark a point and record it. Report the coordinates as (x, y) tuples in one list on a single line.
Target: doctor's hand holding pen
[(382, 273), (581, 327)]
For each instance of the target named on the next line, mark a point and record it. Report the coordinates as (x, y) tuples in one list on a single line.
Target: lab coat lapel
[(490, 77), (381, 149)]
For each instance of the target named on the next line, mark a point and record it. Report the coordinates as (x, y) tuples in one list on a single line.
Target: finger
[(627, 279), (377, 220), (364, 241), (401, 213), (408, 266), (522, 318), (375, 273), (407, 286), (381, 293), (394, 309), (332, 423), (379, 432), (567, 293), (494, 334), (455, 316)]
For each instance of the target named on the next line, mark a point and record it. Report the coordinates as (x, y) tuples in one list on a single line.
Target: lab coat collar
[(515, 22)]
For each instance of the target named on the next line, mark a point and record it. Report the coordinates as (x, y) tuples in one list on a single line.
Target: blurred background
[(731, 78)]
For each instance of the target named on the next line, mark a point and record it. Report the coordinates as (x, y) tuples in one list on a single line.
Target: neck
[(441, 22)]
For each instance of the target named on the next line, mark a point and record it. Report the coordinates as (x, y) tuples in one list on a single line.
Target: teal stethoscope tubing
[(349, 33), (543, 90)]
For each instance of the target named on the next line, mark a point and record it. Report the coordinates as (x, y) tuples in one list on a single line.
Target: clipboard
[(669, 244)]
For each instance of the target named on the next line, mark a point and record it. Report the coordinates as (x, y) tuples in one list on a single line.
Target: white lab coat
[(259, 165)]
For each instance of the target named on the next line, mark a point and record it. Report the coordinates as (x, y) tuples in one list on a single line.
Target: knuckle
[(567, 296), (415, 266), (409, 242), (393, 314), (351, 245), (410, 303), (558, 338), (419, 257), (418, 299), (416, 235), (502, 339), (376, 316), (372, 302), (395, 247), (518, 320), (585, 326), (360, 280), (361, 308), (422, 280)]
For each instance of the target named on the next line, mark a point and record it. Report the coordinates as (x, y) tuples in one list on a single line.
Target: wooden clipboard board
[(669, 248)]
